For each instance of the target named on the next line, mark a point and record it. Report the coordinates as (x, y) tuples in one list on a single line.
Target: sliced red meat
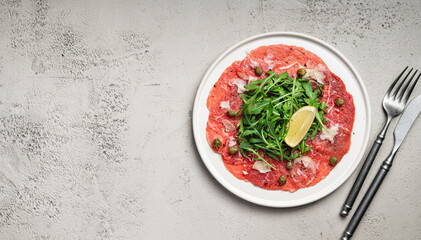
[(279, 58)]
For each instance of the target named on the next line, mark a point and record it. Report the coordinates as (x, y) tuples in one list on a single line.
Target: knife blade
[(407, 119), (401, 130)]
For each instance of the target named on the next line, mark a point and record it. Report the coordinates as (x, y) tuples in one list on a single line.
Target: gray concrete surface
[(95, 118)]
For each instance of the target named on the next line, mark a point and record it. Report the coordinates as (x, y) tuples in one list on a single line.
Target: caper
[(301, 72), (231, 113), (217, 143), (289, 165), (333, 160), (258, 71), (233, 150), (339, 101), (282, 180)]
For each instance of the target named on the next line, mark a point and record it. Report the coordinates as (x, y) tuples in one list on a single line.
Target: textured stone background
[(95, 118)]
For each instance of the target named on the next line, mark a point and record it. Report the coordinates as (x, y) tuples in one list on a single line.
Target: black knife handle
[(362, 175), (352, 225)]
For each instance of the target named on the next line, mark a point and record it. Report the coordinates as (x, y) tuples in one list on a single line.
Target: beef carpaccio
[(314, 166)]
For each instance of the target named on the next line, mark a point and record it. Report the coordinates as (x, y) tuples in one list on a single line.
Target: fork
[(393, 104)]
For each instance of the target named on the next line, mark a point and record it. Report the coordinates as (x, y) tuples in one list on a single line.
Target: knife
[(402, 128)]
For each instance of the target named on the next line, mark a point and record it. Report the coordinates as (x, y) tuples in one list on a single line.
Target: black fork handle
[(362, 175), (362, 208)]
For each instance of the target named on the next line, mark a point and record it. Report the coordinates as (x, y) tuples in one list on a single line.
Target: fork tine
[(395, 92), (403, 88), (394, 83), (412, 87)]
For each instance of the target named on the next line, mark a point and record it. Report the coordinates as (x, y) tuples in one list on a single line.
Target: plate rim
[(271, 203)]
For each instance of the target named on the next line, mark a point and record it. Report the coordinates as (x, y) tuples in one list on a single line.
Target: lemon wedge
[(299, 125)]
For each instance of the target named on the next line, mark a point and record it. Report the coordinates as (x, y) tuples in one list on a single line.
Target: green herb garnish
[(268, 107)]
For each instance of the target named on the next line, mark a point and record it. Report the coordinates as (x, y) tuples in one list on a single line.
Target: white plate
[(339, 65)]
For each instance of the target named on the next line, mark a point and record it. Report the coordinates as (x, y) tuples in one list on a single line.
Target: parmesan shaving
[(232, 142), (246, 77), (253, 63), (242, 75), (328, 97), (225, 104), (330, 133), (316, 75), (240, 84), (286, 67), (261, 167), (269, 60), (299, 172), (228, 125), (308, 163), (310, 180)]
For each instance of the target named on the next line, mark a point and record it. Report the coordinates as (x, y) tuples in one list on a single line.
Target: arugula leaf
[(268, 107)]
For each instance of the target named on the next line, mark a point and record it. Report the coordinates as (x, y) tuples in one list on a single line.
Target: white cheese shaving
[(330, 133), (232, 142), (269, 56), (315, 74), (299, 172), (242, 75), (225, 104), (261, 167), (270, 64), (328, 97), (253, 63), (308, 163), (286, 67), (228, 125), (240, 84), (310, 180), (269, 60), (246, 77)]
